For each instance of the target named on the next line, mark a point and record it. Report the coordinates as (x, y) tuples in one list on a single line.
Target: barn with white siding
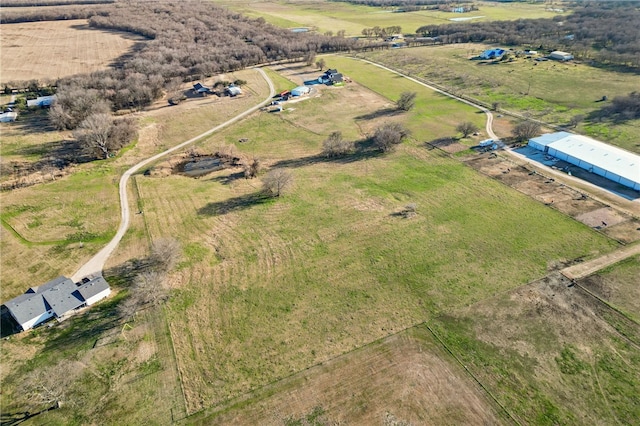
[(597, 157)]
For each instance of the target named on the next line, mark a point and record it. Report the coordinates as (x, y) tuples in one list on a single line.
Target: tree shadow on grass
[(228, 179), (84, 330), (234, 204), (363, 151), (385, 112), (440, 143), (34, 122), (63, 152)]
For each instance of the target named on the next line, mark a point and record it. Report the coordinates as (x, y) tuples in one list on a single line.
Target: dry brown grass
[(407, 376), (54, 49)]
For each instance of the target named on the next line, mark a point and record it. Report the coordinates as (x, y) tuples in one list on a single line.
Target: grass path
[(95, 265)]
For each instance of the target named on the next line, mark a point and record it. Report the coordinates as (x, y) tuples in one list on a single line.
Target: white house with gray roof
[(57, 298)]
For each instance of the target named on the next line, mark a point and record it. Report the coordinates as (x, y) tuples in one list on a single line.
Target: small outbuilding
[(300, 90), (200, 88), (42, 101), (496, 53), (233, 90), (560, 56), (7, 117)]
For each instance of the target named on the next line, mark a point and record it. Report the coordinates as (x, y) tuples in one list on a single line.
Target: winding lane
[(95, 265)]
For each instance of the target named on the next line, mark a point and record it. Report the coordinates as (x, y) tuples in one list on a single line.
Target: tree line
[(605, 32), (187, 40)]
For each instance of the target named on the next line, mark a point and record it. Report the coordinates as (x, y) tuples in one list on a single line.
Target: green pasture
[(618, 285), (335, 16), (275, 286), (433, 116), (550, 91)]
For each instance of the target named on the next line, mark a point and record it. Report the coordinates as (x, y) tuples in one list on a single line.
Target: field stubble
[(54, 49)]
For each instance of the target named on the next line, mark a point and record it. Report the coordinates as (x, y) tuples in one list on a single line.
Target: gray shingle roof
[(93, 287), (27, 307), (63, 297)]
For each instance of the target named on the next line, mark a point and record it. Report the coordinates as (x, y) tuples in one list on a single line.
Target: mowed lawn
[(337, 16), (270, 287), (550, 91)]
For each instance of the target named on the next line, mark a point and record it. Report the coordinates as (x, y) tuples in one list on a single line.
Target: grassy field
[(618, 286), (268, 288), (258, 274), (51, 50), (551, 354), (336, 16), (550, 91), (407, 377)]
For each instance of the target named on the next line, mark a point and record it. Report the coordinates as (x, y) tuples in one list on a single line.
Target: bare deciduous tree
[(51, 385), (320, 63), (526, 130), (165, 254), (93, 133), (252, 168), (150, 288), (335, 145), (277, 181), (388, 136), (407, 101), (576, 119), (466, 128), (310, 57)]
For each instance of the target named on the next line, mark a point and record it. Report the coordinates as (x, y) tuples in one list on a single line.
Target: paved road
[(95, 265)]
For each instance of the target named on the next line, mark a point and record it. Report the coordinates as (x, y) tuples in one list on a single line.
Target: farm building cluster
[(497, 53), (608, 161), (58, 298)]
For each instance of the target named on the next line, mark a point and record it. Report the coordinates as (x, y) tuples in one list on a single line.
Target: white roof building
[(561, 56), (594, 156)]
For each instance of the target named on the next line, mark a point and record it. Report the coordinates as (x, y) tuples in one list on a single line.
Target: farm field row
[(337, 16), (551, 91)]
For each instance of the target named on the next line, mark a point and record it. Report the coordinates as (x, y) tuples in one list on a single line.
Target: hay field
[(336, 16), (56, 49), (270, 287)]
